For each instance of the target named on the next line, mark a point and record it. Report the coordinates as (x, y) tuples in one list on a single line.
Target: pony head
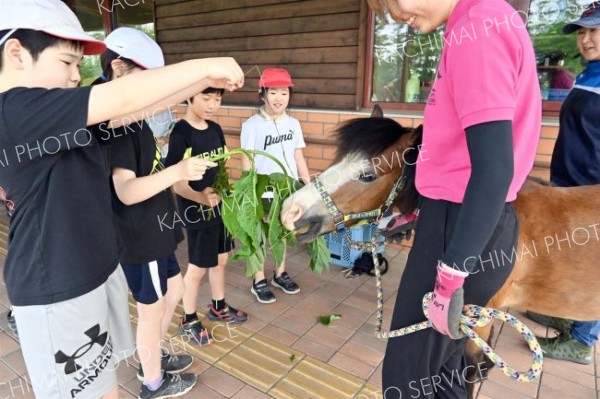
[(372, 154)]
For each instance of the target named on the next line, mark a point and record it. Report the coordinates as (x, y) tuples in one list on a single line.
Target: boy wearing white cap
[(149, 262), (61, 274)]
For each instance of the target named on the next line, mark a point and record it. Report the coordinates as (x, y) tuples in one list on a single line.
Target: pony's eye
[(367, 178)]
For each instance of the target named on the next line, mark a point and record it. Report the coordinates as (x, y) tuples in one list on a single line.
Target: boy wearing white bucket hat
[(139, 195), (61, 274)]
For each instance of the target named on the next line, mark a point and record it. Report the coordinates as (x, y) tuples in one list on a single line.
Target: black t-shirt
[(146, 238), (62, 242), (205, 143)]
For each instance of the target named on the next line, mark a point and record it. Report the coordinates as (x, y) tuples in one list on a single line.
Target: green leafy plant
[(252, 221), (221, 185)]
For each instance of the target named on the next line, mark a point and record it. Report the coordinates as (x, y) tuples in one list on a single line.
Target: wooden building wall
[(320, 42)]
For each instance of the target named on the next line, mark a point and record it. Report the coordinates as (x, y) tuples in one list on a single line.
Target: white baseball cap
[(136, 46), (50, 16)]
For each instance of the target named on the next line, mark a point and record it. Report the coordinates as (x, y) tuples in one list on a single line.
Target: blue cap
[(590, 18)]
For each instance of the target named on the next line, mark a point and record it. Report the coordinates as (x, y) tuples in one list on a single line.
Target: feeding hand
[(194, 168)]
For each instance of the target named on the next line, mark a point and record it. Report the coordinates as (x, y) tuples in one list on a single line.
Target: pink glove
[(447, 302)]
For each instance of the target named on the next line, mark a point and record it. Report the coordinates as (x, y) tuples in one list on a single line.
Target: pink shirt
[(487, 73)]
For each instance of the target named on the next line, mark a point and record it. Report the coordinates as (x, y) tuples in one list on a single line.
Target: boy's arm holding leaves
[(132, 189), (180, 152)]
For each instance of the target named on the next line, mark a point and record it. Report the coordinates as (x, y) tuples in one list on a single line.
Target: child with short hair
[(61, 272), (274, 131), (207, 238), (141, 191)]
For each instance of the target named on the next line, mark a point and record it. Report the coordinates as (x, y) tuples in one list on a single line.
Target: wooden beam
[(281, 26), (255, 14), (362, 53), (108, 17), (346, 37)]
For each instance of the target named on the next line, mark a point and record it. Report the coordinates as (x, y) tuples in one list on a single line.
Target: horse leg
[(478, 364)]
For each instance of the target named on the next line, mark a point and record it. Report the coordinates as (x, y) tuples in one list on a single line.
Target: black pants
[(427, 364)]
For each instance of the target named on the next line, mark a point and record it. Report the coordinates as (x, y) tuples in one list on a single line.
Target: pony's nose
[(291, 211)]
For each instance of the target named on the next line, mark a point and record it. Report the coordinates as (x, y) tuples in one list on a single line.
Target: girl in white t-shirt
[(272, 130)]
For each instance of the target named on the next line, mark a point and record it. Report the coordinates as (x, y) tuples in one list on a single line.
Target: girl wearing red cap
[(274, 131)]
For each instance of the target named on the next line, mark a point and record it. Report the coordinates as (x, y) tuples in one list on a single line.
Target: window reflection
[(558, 59), (404, 62)]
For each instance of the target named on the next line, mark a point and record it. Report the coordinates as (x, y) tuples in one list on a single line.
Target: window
[(95, 17), (401, 63), (139, 15), (91, 19), (404, 63), (557, 55)]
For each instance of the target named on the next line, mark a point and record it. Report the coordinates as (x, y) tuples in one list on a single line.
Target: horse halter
[(340, 219)]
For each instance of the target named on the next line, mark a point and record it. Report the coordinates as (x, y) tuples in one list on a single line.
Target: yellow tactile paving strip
[(260, 362), (272, 368), (315, 379), (3, 237)]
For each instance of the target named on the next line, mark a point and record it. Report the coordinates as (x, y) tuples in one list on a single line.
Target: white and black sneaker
[(285, 283), (171, 364), (173, 385), (262, 292), (12, 323)]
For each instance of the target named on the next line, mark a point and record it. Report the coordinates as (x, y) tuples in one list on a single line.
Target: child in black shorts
[(208, 240), (141, 192)]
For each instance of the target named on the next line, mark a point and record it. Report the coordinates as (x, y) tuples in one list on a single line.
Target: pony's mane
[(368, 136), (408, 200)]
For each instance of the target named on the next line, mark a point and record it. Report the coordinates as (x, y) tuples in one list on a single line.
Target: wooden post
[(109, 18)]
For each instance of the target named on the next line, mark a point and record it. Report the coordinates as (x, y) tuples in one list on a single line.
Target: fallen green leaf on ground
[(292, 357), (326, 320)]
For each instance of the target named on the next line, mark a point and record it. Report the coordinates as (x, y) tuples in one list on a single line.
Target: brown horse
[(557, 268)]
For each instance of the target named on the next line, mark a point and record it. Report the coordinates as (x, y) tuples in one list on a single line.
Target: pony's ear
[(377, 112), (417, 135)]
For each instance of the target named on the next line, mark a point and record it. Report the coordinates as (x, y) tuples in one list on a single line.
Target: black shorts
[(148, 280), (206, 243)]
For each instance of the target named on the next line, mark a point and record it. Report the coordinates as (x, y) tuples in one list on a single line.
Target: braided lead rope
[(473, 316)]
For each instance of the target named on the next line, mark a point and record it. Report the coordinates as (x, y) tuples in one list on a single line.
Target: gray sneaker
[(562, 325), (173, 385), (262, 292), (563, 347), (285, 283), (171, 364)]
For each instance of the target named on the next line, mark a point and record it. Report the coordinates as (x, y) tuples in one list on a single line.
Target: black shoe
[(12, 323), (262, 292), (195, 332), (171, 364), (285, 283), (173, 385)]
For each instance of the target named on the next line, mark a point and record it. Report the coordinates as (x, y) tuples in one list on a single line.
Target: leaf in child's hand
[(326, 320)]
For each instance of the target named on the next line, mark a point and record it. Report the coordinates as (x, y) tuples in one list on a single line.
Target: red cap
[(275, 77)]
